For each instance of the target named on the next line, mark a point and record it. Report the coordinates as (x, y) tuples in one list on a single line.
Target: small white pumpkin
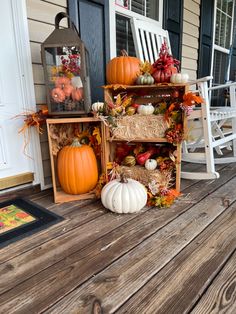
[(97, 106), (146, 109), (151, 164), (179, 78), (124, 196), (76, 82)]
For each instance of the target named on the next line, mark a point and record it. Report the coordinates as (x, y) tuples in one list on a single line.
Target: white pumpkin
[(179, 78), (97, 106), (76, 82), (146, 109), (124, 196), (151, 164)]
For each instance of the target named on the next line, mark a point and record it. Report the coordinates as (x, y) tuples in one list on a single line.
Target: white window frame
[(217, 47), (113, 9)]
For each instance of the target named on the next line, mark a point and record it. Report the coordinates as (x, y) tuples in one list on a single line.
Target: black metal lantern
[(65, 63)]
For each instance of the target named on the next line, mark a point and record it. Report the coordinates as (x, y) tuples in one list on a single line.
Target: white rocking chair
[(148, 37)]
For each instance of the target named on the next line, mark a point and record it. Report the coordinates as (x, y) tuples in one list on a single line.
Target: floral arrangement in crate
[(153, 165), (163, 118), (67, 88)]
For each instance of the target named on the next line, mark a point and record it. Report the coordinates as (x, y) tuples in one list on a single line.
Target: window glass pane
[(224, 5), (148, 8), (220, 67), (219, 4), (228, 31), (217, 30), (222, 30), (124, 39), (230, 7), (219, 72)]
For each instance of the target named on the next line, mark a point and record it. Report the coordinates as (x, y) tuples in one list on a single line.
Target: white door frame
[(27, 83)]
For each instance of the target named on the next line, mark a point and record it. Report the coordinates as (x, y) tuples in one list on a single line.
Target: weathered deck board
[(118, 282), (175, 260), (221, 295), (177, 287)]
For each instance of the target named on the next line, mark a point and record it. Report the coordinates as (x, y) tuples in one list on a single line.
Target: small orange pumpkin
[(58, 95), (61, 81), (123, 70), (77, 94), (68, 90), (77, 168)]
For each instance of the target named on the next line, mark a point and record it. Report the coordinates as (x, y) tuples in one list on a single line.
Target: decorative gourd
[(77, 94), (68, 90), (77, 168), (130, 110), (146, 109), (145, 79), (179, 78), (58, 94), (165, 65), (76, 82), (123, 70), (150, 164), (129, 161), (124, 196), (62, 81), (97, 106)]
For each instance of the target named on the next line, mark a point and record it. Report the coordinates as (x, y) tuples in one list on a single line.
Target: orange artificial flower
[(190, 99)]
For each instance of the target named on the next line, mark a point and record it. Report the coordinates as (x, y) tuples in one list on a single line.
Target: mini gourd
[(124, 196), (146, 109), (151, 164), (97, 106), (179, 78), (145, 79)]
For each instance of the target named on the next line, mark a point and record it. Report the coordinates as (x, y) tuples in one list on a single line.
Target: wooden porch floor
[(176, 260)]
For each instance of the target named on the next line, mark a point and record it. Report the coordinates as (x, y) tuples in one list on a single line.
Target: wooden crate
[(144, 94), (79, 123)]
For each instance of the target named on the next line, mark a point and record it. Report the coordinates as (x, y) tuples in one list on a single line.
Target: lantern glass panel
[(66, 91)]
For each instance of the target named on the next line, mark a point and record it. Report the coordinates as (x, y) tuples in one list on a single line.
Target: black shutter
[(232, 73), (205, 43), (92, 19), (173, 22)]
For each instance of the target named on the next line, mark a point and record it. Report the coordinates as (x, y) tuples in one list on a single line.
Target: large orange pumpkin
[(123, 70), (77, 168)]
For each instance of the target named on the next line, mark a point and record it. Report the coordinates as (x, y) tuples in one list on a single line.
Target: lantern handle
[(61, 16)]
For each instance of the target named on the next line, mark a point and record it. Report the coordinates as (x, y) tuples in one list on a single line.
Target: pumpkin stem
[(124, 53), (76, 142), (123, 178)]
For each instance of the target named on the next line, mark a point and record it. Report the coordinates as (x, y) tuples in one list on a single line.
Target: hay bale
[(145, 176), (140, 126)]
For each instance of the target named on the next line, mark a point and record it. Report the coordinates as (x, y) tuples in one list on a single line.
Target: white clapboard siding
[(193, 6), (191, 17), (35, 52), (44, 12), (189, 52), (62, 3), (191, 29), (38, 74), (190, 40), (41, 18), (40, 94)]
